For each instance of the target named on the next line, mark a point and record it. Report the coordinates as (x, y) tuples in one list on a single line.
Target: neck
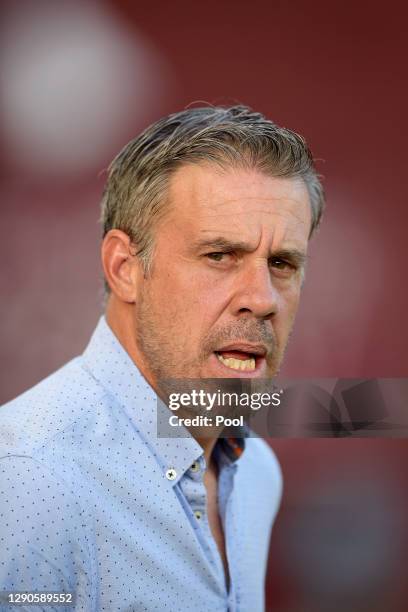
[(119, 317), (120, 325)]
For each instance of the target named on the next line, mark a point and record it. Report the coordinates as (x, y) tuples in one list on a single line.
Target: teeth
[(238, 364)]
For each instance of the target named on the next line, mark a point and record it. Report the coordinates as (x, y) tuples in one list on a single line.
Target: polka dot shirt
[(93, 503)]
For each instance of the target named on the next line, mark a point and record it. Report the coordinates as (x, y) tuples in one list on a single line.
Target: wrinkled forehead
[(205, 198)]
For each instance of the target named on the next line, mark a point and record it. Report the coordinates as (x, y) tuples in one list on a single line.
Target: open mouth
[(237, 360), (241, 358)]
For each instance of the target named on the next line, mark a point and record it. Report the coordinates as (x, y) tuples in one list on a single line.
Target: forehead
[(204, 198)]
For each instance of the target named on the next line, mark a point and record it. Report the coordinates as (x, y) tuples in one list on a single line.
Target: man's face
[(221, 298)]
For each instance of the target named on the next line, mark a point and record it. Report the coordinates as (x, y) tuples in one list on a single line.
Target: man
[(207, 216)]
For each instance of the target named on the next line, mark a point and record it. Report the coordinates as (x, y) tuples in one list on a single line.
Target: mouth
[(243, 358)]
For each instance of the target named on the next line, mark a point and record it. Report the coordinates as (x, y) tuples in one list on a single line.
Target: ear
[(120, 265)]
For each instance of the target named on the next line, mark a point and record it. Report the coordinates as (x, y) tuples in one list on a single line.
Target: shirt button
[(195, 466), (171, 474), (197, 514)]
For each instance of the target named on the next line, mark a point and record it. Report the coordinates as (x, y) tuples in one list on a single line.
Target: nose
[(255, 292)]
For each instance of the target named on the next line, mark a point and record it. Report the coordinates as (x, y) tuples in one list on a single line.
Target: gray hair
[(135, 193)]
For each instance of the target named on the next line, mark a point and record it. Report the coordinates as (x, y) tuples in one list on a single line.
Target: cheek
[(182, 304), (194, 292), (289, 306)]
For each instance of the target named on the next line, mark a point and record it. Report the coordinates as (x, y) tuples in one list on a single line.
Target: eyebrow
[(222, 244)]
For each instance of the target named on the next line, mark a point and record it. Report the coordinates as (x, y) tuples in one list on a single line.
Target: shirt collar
[(110, 364)]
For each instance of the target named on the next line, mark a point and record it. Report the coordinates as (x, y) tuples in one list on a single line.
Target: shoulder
[(32, 420)]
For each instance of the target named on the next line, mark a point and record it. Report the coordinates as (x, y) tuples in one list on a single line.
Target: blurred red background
[(81, 79)]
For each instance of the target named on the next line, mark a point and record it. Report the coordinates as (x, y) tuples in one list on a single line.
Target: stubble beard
[(165, 360), (163, 356)]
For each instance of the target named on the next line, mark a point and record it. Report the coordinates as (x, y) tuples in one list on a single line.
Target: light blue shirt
[(88, 504)]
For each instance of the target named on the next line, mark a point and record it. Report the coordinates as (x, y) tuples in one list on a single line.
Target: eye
[(282, 267), (216, 256), (279, 263)]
